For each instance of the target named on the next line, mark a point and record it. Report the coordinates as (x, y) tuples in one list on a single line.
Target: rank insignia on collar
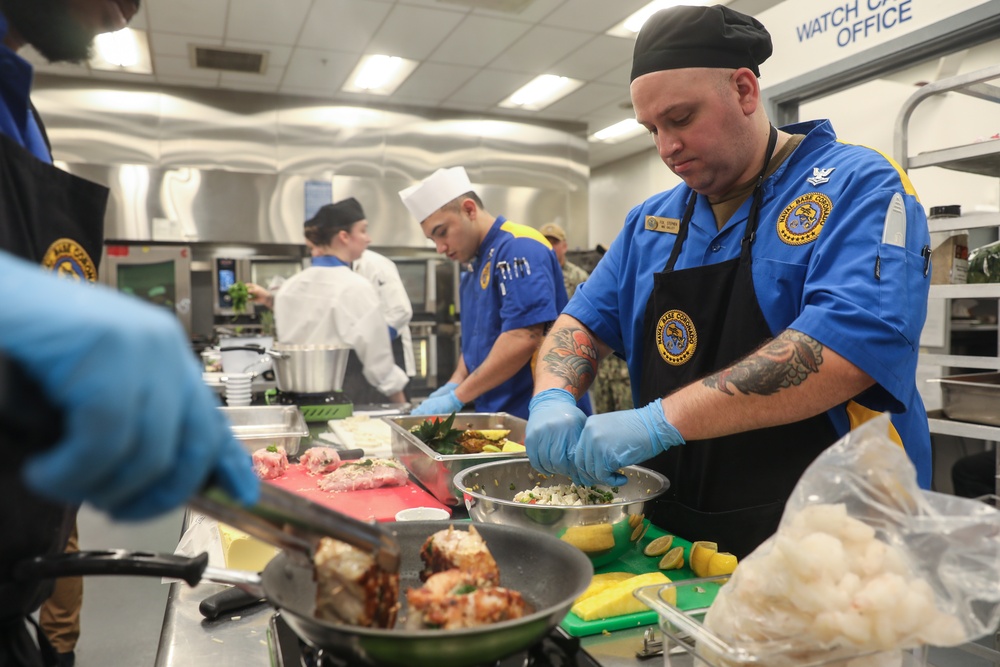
[(820, 176)]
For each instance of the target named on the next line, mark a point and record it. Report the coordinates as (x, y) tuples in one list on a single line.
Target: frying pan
[(548, 572)]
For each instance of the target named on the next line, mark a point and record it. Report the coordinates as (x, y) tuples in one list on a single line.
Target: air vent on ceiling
[(229, 60), (509, 6)]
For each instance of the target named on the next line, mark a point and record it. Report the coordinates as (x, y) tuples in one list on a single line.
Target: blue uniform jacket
[(819, 267), (514, 282)]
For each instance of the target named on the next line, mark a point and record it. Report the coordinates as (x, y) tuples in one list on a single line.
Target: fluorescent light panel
[(126, 50), (379, 74), (630, 26), (540, 92), (618, 132)]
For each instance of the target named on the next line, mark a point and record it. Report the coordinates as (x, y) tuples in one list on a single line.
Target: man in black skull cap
[(753, 340)]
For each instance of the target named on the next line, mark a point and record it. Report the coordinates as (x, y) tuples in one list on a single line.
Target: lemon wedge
[(659, 546), (701, 555), (721, 563), (673, 559)]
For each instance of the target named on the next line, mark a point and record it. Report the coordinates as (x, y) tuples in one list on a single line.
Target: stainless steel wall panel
[(226, 167)]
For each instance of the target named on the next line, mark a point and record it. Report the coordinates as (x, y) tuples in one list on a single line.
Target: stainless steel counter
[(241, 639)]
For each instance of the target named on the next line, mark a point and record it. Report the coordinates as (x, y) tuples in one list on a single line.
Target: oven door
[(425, 359), (158, 274)]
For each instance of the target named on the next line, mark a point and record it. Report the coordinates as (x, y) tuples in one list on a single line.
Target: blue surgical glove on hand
[(554, 426), (617, 439), (142, 432), (444, 389), (444, 404)]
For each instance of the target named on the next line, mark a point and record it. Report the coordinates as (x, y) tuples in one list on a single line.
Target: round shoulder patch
[(802, 220), (484, 276), (676, 337), (67, 259)]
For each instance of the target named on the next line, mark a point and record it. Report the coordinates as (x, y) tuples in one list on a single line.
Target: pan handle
[(112, 561)]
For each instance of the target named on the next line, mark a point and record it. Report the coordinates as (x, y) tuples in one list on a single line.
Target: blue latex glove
[(554, 426), (444, 404), (141, 430), (616, 439), (444, 389)]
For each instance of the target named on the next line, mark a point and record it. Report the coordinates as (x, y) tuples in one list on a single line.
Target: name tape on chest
[(658, 224)]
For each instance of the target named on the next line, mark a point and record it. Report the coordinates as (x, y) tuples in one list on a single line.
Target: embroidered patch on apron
[(802, 220), (676, 337), (484, 276), (67, 259)]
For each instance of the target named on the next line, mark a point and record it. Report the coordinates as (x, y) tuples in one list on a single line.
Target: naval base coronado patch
[(676, 337), (802, 220), (67, 259)]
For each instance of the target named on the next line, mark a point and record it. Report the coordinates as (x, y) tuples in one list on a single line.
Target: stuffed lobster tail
[(452, 549), (351, 588)]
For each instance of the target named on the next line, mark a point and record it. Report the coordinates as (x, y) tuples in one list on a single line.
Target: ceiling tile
[(592, 15), (585, 99), (537, 50), (320, 70), (277, 56), (345, 24), (601, 54), (205, 18), (433, 82), (181, 67), (619, 74), (486, 89), (266, 20), (477, 40), (533, 13), (176, 46), (413, 32)]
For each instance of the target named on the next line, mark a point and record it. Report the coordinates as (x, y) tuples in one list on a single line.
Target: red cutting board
[(379, 504)]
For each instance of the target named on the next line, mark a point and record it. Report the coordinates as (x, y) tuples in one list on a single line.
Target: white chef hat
[(435, 191)]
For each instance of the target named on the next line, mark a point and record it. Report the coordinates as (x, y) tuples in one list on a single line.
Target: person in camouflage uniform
[(611, 389)]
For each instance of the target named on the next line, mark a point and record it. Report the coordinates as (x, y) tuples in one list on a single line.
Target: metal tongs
[(296, 524)]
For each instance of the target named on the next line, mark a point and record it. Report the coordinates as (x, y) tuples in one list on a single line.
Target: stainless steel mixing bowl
[(603, 532)]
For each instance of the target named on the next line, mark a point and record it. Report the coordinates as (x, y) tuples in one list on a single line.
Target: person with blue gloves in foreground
[(129, 427), (510, 293), (761, 307)]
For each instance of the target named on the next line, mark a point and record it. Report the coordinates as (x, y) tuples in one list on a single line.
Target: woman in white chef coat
[(329, 304), (394, 302)]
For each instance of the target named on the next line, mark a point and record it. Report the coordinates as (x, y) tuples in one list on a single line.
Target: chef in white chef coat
[(330, 304), (382, 273)]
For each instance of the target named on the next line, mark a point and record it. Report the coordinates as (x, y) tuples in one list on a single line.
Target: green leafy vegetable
[(239, 294), (464, 589), (439, 435), (273, 449)]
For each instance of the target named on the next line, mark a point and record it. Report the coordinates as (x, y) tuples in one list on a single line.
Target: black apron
[(357, 388), (56, 219), (730, 490)]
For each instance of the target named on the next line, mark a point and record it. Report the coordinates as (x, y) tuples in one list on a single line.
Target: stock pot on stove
[(309, 369)]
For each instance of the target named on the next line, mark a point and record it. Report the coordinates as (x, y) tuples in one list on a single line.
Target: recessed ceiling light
[(620, 131), (379, 74), (630, 26), (126, 50), (540, 92)]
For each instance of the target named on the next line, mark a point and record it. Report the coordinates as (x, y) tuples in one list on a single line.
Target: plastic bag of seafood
[(864, 564)]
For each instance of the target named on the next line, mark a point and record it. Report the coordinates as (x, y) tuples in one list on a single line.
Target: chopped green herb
[(273, 449), (464, 589), (512, 486)]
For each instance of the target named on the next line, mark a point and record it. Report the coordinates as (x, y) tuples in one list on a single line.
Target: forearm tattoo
[(784, 362), (573, 358)]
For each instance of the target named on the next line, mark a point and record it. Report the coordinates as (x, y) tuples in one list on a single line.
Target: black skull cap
[(687, 36), (337, 216)]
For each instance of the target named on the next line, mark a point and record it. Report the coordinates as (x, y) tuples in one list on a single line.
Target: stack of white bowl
[(238, 392)]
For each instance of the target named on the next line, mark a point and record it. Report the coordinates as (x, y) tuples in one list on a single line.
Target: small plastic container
[(423, 514)]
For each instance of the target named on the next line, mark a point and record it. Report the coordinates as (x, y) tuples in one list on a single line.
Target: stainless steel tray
[(259, 426), (972, 398), (436, 471)]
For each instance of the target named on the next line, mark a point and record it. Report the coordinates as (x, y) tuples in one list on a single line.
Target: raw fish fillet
[(363, 474), (270, 464), (320, 460)]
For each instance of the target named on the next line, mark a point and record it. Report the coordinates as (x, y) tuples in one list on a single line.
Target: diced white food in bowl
[(567, 494)]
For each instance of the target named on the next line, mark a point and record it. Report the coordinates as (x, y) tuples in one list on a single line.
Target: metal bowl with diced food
[(604, 531)]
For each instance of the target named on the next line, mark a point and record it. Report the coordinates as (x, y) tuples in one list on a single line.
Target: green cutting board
[(636, 562)]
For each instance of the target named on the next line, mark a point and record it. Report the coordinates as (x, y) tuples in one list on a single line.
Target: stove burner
[(557, 649)]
